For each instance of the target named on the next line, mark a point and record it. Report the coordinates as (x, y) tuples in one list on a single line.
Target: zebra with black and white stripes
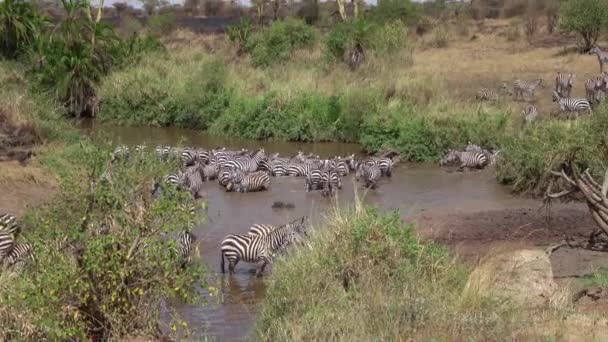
[(241, 182), (20, 252), (530, 113), (602, 56), (572, 105), (261, 229), (369, 175), (303, 169), (162, 152), (185, 241), (176, 179), (7, 241), (341, 166), (332, 180), (224, 175), (385, 164), (120, 153), (260, 249), (193, 179), (564, 83), (189, 156), (8, 224), (487, 94), (595, 87), (474, 160), (521, 87), (247, 164)]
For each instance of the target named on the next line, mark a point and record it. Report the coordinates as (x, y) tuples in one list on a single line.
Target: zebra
[(385, 164), (189, 156), (476, 160), (185, 240), (486, 94), (247, 164), (572, 105), (314, 180), (302, 169), (602, 56), (177, 179), (193, 179), (162, 152), (341, 165), (6, 243), (332, 179), (369, 174), (224, 175), (530, 113), (261, 229), (594, 87), (203, 156), (564, 83), (528, 87), (210, 171), (120, 153), (260, 249), (240, 182), (20, 252), (8, 224), (140, 149)]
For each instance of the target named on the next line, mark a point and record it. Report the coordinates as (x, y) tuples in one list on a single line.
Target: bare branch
[(561, 194)]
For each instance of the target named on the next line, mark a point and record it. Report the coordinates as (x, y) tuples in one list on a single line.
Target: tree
[(587, 18), (19, 22), (150, 6), (120, 8), (341, 9)]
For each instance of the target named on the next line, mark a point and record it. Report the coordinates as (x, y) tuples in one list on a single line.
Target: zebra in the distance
[(369, 175), (8, 224), (20, 252), (162, 152), (602, 56), (530, 113), (521, 87), (193, 179), (474, 160), (260, 249), (572, 105), (564, 83), (140, 149), (487, 94), (120, 153), (240, 182), (185, 239)]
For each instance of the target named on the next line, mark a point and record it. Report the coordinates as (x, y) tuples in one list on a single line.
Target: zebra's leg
[(260, 271), (232, 265)]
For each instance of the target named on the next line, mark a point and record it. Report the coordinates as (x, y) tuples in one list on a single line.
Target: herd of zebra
[(249, 171), (596, 88), (12, 253)]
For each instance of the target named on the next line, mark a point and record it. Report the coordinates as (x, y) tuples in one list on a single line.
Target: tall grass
[(368, 277)]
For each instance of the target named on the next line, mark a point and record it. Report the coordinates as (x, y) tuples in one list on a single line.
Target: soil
[(24, 186)]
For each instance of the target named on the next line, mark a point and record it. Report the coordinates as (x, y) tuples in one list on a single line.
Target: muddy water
[(412, 189)]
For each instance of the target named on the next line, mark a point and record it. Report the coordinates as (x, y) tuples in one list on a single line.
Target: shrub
[(86, 284), (372, 278), (586, 17), (389, 38), (391, 10), (241, 33), (19, 25), (276, 42), (161, 24), (513, 33), (440, 38)]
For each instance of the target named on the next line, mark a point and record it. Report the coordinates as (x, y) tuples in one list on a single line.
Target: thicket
[(369, 275), (588, 18)]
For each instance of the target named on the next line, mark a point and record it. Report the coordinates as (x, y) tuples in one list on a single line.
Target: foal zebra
[(369, 174), (477, 160), (564, 83), (260, 249), (529, 113), (528, 87), (572, 105), (602, 56), (486, 94)]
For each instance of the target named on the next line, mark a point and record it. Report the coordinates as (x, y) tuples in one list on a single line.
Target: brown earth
[(23, 186)]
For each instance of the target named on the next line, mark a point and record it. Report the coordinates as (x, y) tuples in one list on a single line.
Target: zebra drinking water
[(240, 182), (185, 240), (385, 164), (260, 249), (602, 56), (369, 174), (564, 83), (521, 87), (477, 160)]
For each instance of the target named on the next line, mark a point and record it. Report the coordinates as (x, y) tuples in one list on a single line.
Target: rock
[(523, 276)]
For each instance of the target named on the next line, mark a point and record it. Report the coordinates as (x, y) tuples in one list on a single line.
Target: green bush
[(372, 278), (528, 158), (439, 38), (241, 33), (161, 24), (390, 10), (276, 42), (585, 17), (19, 25)]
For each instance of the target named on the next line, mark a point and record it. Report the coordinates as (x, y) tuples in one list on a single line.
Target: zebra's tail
[(222, 262)]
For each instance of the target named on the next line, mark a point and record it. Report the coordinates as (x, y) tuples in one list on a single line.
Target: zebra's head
[(555, 96), (452, 156), (539, 82)]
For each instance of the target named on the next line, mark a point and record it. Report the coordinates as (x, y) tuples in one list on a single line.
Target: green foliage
[(585, 17), (85, 283), (528, 157), (19, 25), (369, 275), (161, 24), (420, 138), (276, 42), (439, 38), (241, 32), (150, 98), (390, 10)]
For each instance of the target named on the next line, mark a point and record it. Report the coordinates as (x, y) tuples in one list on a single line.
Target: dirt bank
[(23, 186)]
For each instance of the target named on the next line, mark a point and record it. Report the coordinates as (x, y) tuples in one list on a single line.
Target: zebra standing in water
[(564, 83), (521, 87), (529, 113), (486, 94), (476, 160), (247, 164), (369, 174), (185, 240), (260, 249), (193, 179), (572, 105), (240, 182), (602, 56), (385, 164)]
